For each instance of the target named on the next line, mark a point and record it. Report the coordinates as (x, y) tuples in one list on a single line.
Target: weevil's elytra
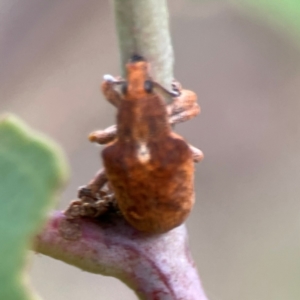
[(149, 170)]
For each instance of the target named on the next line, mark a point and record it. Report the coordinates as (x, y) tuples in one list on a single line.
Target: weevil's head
[(138, 81)]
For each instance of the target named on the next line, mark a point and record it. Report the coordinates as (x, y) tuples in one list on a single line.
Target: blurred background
[(242, 57)]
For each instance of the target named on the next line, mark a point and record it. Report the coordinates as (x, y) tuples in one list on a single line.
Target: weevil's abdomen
[(152, 182)]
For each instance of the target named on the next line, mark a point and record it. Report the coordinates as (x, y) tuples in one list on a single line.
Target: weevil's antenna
[(174, 93)]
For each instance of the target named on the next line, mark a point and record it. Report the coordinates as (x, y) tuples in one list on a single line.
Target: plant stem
[(156, 267), (143, 28)]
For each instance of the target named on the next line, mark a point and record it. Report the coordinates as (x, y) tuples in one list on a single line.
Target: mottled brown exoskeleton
[(149, 168)]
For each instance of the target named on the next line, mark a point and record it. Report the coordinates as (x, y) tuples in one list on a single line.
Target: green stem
[(143, 28)]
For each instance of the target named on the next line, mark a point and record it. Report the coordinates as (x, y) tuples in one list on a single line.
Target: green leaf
[(32, 168)]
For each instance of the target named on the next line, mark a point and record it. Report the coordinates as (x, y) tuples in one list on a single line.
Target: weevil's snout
[(138, 78)]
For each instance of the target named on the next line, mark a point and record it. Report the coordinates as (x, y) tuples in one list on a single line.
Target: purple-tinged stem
[(156, 267)]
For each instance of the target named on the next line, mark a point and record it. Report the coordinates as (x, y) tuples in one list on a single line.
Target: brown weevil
[(149, 169)]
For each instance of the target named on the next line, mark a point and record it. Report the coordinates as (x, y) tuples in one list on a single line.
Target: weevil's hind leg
[(93, 188), (93, 200), (197, 154)]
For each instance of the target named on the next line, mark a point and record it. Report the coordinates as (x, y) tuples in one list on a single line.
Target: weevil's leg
[(93, 208), (74, 209), (197, 154), (103, 136), (176, 86), (93, 189), (109, 90), (93, 200), (82, 208), (183, 108), (184, 105)]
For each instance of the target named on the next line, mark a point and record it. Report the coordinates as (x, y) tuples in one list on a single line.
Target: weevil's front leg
[(108, 88), (183, 108), (109, 91)]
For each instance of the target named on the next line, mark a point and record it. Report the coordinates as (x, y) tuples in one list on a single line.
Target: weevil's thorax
[(142, 114)]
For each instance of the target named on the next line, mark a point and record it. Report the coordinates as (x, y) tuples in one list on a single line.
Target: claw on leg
[(79, 208), (197, 154), (108, 89), (74, 210), (93, 190), (183, 108)]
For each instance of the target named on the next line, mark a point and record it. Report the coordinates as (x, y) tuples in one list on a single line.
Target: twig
[(155, 267)]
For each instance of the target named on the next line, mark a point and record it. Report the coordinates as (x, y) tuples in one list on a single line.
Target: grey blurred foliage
[(244, 230)]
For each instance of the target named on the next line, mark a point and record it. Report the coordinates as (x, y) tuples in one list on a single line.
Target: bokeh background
[(243, 59)]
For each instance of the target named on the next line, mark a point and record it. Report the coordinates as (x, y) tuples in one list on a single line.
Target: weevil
[(149, 169)]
